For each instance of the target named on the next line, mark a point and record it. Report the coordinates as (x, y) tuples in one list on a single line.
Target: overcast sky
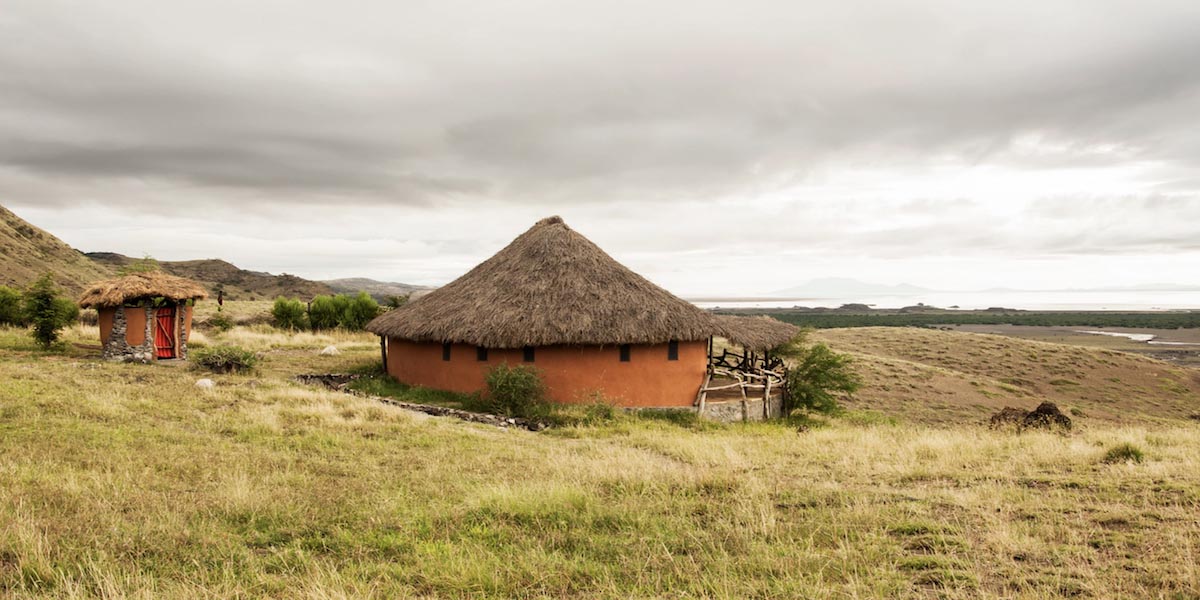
[(716, 147)]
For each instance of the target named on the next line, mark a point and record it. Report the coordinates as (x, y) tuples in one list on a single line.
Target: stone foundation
[(181, 314), (117, 348), (751, 409)]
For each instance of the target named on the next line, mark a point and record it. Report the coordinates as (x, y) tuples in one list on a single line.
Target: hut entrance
[(164, 332)]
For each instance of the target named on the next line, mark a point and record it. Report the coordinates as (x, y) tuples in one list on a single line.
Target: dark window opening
[(446, 351), (481, 354), (528, 354), (624, 352), (673, 350)]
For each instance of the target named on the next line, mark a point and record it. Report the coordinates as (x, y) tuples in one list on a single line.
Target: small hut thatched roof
[(755, 333), (549, 286), (136, 286)]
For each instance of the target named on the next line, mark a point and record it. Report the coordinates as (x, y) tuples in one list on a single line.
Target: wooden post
[(767, 401), (383, 352)]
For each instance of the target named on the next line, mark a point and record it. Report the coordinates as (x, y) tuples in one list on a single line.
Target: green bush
[(1124, 452), (324, 312), (221, 322), (359, 311), (47, 310), (817, 374), (225, 359), (11, 311), (330, 312), (289, 313), (516, 391)]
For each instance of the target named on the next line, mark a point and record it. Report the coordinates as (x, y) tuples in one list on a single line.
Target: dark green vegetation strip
[(1174, 320)]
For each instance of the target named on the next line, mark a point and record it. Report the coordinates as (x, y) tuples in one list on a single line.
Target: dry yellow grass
[(953, 377), (126, 481)]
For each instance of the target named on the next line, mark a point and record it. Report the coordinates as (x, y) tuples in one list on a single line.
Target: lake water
[(1128, 300)]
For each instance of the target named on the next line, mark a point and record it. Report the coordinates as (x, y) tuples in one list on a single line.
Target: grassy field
[(935, 317), (127, 481), (933, 376)]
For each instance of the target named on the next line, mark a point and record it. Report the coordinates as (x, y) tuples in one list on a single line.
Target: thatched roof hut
[(550, 286), (139, 286), (758, 334)]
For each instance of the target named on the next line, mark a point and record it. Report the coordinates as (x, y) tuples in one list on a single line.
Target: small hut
[(144, 316), (745, 381), (554, 300)]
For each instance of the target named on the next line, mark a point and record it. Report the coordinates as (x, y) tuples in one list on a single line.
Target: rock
[(330, 351), (1008, 416), (205, 384), (1045, 416)]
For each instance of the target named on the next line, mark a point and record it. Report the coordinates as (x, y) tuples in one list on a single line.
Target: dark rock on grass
[(1008, 416), (1045, 416)]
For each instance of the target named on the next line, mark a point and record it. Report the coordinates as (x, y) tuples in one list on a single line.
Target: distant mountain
[(238, 284), (27, 252), (379, 290), (841, 287)]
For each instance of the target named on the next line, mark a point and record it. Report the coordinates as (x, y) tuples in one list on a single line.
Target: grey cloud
[(664, 104)]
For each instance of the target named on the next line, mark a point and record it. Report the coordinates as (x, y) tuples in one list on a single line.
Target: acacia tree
[(816, 376)]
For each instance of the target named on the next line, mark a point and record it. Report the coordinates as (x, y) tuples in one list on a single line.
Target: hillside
[(239, 284), (26, 252), (937, 376)]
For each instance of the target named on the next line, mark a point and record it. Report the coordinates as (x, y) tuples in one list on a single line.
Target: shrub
[(817, 375), (324, 312), (359, 311), (221, 322), (1124, 452), (516, 391), (225, 359), (11, 312), (47, 310), (288, 313)]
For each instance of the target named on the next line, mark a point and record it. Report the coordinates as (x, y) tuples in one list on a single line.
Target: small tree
[(288, 313), (516, 391), (359, 311), (817, 373), (397, 301), (11, 312), (47, 310)]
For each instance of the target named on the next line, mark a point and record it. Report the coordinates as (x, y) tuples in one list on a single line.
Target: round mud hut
[(554, 300), (144, 316)]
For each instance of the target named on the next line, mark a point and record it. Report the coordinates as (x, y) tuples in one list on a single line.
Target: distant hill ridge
[(26, 252), (238, 284)]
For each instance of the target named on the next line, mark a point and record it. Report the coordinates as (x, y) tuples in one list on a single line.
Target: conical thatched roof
[(755, 333), (154, 284), (549, 286)]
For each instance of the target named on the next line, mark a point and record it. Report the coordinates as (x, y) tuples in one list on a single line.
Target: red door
[(164, 333)]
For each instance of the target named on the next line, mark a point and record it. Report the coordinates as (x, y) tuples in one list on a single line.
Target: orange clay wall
[(105, 321), (571, 373), (135, 326)]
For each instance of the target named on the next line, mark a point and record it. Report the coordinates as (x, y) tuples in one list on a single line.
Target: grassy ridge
[(1170, 320), (127, 481)]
